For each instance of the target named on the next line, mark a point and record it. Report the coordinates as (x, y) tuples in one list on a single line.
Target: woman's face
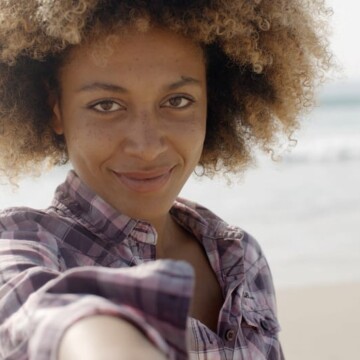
[(135, 123)]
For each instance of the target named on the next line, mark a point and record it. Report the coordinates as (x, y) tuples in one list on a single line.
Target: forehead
[(156, 49)]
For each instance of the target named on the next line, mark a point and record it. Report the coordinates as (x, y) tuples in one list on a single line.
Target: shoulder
[(31, 225), (238, 251), (213, 226), (23, 218), (17, 218), (28, 237)]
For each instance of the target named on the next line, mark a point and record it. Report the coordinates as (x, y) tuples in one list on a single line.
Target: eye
[(106, 106), (178, 102)]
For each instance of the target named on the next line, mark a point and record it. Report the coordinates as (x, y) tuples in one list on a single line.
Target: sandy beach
[(320, 322)]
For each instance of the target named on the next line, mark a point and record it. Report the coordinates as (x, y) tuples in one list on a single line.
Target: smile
[(145, 181)]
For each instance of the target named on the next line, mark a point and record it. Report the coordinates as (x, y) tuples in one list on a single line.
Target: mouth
[(145, 181)]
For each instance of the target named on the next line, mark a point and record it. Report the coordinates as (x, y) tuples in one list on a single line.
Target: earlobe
[(56, 122), (54, 104)]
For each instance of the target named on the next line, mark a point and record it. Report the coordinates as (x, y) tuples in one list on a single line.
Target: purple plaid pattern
[(81, 257)]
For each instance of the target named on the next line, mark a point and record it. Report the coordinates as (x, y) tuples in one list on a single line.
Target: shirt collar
[(81, 203), (222, 243)]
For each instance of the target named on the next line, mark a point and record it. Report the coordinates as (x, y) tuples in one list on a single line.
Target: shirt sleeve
[(40, 299), (259, 302)]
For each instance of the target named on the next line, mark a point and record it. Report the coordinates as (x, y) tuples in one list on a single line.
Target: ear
[(56, 121)]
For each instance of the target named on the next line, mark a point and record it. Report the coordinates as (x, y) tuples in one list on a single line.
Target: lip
[(145, 181)]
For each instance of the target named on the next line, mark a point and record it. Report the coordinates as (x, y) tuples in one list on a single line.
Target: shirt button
[(264, 325), (230, 335)]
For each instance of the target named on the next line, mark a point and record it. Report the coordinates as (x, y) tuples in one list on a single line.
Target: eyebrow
[(185, 80), (102, 86)]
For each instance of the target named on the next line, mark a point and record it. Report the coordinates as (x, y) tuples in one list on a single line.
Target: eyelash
[(109, 101), (189, 100)]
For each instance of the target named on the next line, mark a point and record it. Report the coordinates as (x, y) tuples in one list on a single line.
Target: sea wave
[(330, 149)]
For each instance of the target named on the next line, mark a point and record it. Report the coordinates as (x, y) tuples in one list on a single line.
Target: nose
[(145, 138)]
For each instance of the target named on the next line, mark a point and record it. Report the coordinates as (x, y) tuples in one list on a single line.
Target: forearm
[(104, 337), (43, 302)]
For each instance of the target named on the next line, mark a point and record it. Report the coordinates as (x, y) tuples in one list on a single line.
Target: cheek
[(191, 138), (196, 129), (88, 141)]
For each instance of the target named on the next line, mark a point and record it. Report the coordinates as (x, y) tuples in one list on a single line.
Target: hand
[(103, 337)]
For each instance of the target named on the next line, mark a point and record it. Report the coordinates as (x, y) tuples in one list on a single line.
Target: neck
[(167, 231)]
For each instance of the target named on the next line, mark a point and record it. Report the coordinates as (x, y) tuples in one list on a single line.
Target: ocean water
[(303, 210)]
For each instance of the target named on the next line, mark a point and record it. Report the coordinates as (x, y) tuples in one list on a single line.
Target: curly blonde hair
[(264, 59)]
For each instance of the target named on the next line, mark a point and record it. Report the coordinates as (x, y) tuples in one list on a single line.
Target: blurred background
[(304, 210)]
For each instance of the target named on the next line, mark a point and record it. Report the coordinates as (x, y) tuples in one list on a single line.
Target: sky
[(345, 38)]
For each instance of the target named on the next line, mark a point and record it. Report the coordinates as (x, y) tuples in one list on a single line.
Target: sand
[(320, 322)]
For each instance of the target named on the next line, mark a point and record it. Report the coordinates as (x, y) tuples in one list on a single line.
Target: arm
[(106, 338), (40, 299)]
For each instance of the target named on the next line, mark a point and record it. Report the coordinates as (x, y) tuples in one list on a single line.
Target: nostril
[(145, 143)]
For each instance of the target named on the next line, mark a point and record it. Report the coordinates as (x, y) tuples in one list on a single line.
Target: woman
[(135, 95)]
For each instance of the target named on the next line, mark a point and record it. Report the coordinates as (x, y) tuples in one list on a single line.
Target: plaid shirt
[(80, 257)]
